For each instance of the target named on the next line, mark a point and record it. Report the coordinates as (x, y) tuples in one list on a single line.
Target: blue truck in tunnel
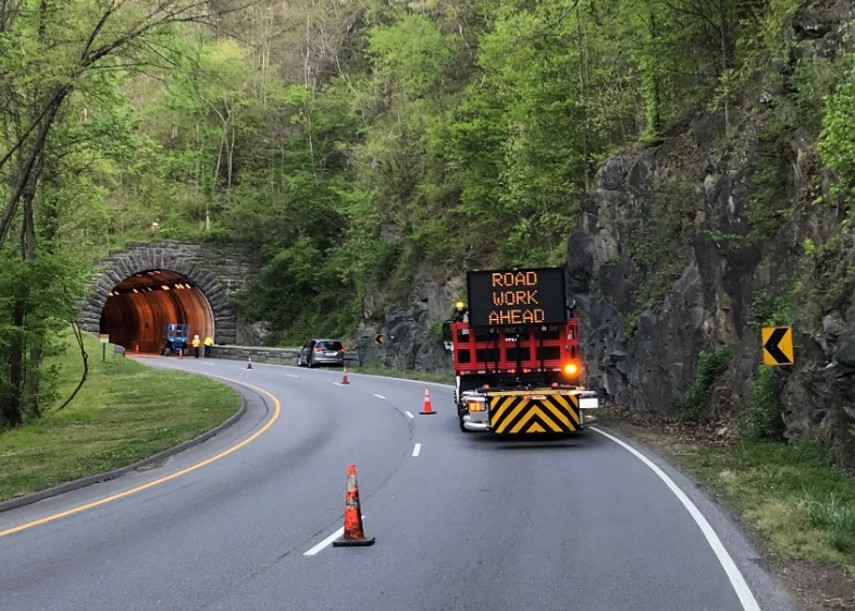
[(175, 338)]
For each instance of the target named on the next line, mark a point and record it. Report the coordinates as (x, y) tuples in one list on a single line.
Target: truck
[(516, 355), (175, 338)]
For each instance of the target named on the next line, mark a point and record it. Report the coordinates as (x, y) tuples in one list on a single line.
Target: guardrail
[(265, 354)]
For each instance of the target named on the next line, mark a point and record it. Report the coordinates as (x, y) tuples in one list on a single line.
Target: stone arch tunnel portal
[(140, 305)]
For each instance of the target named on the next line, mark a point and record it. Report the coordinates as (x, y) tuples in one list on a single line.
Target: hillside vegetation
[(351, 141)]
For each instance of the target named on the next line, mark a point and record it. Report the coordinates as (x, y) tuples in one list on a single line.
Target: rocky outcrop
[(642, 346), (650, 302), (411, 333), (647, 318)]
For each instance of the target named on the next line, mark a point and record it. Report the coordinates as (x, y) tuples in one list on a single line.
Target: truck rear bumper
[(532, 412), (470, 425)]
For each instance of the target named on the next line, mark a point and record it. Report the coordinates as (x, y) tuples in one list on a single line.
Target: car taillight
[(319, 349)]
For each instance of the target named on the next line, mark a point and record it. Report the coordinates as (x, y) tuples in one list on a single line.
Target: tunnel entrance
[(206, 273), (139, 306)]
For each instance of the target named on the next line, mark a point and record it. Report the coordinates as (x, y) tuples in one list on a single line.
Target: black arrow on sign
[(771, 346)]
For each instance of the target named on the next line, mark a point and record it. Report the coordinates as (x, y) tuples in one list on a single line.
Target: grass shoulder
[(408, 374), (124, 412), (798, 506)]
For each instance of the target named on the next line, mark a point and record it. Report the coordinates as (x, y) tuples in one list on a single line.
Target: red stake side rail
[(514, 350)]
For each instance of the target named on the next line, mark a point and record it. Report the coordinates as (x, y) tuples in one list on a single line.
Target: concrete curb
[(28, 499)]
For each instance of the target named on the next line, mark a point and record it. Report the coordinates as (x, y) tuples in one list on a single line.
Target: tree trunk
[(32, 368), (12, 412), (26, 169)]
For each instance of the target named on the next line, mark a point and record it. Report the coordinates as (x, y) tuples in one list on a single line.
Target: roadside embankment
[(125, 412)]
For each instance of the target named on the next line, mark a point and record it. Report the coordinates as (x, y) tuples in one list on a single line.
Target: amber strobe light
[(571, 369)]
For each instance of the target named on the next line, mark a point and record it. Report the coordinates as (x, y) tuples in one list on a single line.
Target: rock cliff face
[(653, 301), (643, 351), (411, 333)]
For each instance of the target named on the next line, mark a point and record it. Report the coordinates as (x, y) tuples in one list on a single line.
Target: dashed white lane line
[(292, 375), (410, 416), (379, 396), (417, 450), (737, 581), (325, 542)]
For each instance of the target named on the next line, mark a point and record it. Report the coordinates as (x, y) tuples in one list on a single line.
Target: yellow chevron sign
[(521, 413), (777, 345)]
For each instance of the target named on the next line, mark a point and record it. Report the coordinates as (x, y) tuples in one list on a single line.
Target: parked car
[(321, 352)]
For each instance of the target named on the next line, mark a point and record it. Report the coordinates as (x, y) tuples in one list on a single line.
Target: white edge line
[(409, 415), (379, 396), (417, 450), (749, 603), (326, 542)]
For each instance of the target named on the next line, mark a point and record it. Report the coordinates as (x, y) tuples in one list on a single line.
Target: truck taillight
[(571, 369), (475, 406)]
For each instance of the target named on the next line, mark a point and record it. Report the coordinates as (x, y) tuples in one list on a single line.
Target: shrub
[(764, 419), (711, 364)]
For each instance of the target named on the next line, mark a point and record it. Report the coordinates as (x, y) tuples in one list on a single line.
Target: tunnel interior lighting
[(165, 287)]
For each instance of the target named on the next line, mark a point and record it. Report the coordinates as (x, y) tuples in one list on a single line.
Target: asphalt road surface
[(461, 521)]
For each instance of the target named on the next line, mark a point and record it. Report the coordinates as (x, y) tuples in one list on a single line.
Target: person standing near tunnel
[(209, 341), (196, 343)]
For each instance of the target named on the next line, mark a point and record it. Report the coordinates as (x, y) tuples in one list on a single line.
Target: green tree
[(837, 142), (57, 59)]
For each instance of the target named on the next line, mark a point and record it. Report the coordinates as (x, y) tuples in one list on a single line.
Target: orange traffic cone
[(344, 376), (427, 409), (249, 362), (353, 534)]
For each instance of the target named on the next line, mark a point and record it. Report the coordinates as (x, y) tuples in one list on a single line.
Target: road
[(461, 521)]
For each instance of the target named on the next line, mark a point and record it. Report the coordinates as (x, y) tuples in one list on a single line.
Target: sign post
[(105, 339)]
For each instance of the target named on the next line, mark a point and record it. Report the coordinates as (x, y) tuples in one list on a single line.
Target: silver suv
[(321, 352)]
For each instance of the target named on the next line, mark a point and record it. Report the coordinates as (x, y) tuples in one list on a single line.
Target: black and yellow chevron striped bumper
[(520, 412)]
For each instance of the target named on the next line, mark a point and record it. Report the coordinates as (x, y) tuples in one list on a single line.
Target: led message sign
[(516, 297)]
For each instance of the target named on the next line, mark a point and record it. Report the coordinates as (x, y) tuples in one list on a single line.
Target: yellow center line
[(162, 480)]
